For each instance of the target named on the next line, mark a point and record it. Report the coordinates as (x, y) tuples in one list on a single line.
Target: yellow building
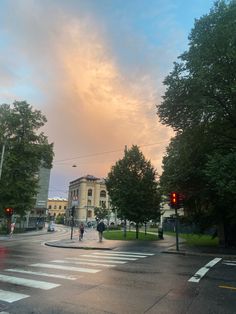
[(85, 194), (57, 206)]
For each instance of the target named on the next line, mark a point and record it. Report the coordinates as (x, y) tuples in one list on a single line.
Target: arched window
[(90, 192), (103, 193)]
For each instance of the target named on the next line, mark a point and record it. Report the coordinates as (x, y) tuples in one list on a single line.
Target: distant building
[(57, 206), (85, 194)]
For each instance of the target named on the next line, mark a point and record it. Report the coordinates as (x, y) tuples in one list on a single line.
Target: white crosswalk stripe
[(120, 255), (82, 263), (111, 257), (22, 271), (133, 253), (28, 282), (79, 269), (229, 262), (10, 297), (92, 260)]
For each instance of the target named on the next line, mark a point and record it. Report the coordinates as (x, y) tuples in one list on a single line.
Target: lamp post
[(2, 158)]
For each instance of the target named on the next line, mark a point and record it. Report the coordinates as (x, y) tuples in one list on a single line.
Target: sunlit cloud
[(95, 71)]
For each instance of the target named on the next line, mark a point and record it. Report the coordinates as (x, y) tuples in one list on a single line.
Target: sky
[(95, 68)]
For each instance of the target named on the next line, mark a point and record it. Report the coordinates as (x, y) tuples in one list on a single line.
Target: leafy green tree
[(101, 212), (199, 104), (133, 188), (26, 150)]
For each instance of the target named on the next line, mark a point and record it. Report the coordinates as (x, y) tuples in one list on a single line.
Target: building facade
[(57, 206), (87, 193)]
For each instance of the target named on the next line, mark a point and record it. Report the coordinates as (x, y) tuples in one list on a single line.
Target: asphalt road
[(35, 278)]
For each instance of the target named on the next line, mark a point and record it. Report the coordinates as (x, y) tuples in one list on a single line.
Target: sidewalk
[(167, 245)]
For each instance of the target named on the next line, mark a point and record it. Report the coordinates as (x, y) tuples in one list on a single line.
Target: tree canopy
[(133, 188), (26, 150), (200, 105)]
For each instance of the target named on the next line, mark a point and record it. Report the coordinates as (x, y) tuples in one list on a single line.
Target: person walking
[(12, 229), (100, 228), (81, 231)]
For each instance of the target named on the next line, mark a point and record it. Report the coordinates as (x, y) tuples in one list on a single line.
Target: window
[(89, 214), (90, 192), (50, 207), (59, 206), (103, 193), (64, 207), (55, 207)]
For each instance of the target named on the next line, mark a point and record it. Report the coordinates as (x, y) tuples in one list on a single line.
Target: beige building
[(85, 194), (57, 206)]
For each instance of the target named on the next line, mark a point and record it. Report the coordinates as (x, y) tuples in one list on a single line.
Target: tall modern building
[(86, 193)]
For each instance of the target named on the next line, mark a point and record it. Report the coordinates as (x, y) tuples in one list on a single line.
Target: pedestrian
[(100, 228), (81, 231), (12, 229)]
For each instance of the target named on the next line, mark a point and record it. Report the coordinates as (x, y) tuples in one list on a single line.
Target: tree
[(101, 212), (199, 104), (26, 151), (133, 188)]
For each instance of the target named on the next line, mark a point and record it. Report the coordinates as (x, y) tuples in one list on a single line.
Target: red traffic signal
[(9, 211), (174, 199)]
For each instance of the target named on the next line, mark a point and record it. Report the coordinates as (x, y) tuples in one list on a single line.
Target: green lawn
[(196, 239), (130, 235)]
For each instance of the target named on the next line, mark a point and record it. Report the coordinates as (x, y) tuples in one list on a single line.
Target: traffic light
[(73, 211), (174, 199), (9, 211)]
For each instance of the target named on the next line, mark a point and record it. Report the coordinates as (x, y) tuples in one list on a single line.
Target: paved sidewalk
[(167, 245)]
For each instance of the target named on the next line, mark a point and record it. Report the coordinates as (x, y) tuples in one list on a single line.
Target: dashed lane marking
[(202, 271)]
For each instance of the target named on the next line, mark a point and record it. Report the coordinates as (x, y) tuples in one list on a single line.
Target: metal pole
[(177, 229), (72, 225), (2, 157)]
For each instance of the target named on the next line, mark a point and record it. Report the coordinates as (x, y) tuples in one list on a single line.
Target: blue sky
[(95, 69)]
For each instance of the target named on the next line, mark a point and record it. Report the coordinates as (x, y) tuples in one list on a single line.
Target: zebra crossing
[(83, 264), (229, 262)]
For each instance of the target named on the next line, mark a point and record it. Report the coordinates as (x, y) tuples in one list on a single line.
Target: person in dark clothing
[(81, 231), (100, 228)]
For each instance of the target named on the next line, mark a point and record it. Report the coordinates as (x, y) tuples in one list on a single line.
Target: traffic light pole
[(177, 229), (72, 226)]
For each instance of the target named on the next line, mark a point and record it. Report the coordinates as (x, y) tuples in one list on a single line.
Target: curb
[(78, 247)]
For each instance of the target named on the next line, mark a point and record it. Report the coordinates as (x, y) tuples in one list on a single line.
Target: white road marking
[(82, 263), (28, 282), (11, 297), (79, 269), (229, 263), (39, 273), (134, 253), (92, 260), (120, 255), (112, 258), (202, 271)]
